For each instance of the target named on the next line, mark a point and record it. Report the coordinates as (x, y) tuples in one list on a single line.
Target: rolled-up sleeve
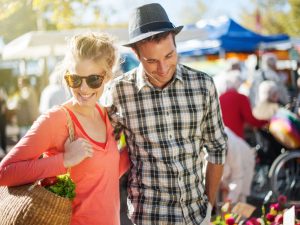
[(215, 138)]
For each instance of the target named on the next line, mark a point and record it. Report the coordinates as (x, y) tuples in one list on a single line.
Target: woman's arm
[(23, 163)]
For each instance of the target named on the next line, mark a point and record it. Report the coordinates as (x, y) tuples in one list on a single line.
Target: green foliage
[(8, 7), (219, 221), (20, 16), (17, 22), (293, 25), (64, 187), (276, 16), (191, 13)]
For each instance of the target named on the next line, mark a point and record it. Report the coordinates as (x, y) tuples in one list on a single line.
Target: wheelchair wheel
[(284, 175)]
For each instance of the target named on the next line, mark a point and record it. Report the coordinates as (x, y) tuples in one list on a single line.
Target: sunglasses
[(75, 81)]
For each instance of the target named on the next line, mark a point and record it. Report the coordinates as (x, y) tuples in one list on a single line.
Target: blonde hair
[(98, 47)]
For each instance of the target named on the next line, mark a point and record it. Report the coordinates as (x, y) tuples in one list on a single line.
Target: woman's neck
[(87, 111)]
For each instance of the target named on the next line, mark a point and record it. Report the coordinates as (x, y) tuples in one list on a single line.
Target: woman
[(93, 157), (268, 100), (235, 107)]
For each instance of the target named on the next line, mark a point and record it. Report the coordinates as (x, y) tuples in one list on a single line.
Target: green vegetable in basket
[(63, 187)]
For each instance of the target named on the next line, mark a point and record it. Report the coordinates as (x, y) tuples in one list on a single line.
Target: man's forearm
[(213, 177)]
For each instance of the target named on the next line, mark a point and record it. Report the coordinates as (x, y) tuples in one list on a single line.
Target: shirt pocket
[(190, 120)]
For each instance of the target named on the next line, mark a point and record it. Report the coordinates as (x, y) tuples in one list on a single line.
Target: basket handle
[(70, 128), (71, 137), (69, 124)]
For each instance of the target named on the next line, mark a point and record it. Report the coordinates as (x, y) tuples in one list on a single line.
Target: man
[(169, 114)]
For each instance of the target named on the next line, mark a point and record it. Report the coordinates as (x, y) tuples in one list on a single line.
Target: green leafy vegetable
[(64, 187)]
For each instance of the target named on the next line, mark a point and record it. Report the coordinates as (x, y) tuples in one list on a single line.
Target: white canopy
[(39, 44)]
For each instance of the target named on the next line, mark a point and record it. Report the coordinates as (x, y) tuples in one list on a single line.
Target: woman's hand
[(77, 151)]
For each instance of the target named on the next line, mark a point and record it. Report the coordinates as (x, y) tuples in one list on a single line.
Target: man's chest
[(154, 113)]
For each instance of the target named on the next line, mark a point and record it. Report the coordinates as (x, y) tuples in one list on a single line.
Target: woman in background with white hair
[(267, 106), (268, 100), (269, 72), (236, 109), (240, 159)]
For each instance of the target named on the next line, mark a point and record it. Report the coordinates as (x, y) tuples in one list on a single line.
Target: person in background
[(170, 116), (234, 64), (236, 108), (3, 122), (268, 100), (27, 105), (269, 72), (238, 169), (95, 161), (54, 93), (297, 99), (267, 106)]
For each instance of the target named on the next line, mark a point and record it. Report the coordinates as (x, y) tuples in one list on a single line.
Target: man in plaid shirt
[(170, 115)]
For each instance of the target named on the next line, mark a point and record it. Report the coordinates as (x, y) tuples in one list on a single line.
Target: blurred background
[(216, 34), (33, 33)]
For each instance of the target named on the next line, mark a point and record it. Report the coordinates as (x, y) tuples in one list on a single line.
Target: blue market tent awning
[(233, 37)]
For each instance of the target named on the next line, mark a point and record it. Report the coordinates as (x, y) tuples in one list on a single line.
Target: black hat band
[(150, 27)]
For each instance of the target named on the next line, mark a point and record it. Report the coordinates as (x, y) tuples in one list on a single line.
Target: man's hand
[(207, 218)]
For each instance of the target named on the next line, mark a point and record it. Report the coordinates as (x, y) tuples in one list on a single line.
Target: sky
[(174, 8)]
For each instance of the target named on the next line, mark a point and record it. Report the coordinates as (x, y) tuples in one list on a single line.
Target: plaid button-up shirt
[(166, 131)]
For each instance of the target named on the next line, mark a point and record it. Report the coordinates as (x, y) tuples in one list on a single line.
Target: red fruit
[(230, 221), (48, 181), (270, 217), (275, 206), (282, 199), (252, 221)]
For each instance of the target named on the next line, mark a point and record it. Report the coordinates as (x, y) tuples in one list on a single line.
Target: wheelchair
[(284, 175), (277, 169)]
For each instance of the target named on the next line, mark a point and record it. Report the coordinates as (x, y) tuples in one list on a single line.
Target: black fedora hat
[(148, 20)]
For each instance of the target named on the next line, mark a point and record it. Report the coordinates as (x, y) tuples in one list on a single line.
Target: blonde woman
[(93, 157)]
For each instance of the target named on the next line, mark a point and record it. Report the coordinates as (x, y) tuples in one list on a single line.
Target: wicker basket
[(19, 205)]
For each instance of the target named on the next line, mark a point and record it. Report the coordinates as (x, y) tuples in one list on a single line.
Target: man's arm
[(213, 177)]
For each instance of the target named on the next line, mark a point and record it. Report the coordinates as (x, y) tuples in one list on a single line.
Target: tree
[(274, 17), (16, 20), (27, 15), (293, 25), (193, 12)]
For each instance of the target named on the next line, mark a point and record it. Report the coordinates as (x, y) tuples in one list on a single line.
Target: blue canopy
[(233, 37)]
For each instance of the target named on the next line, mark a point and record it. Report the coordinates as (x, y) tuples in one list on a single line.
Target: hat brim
[(140, 37)]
